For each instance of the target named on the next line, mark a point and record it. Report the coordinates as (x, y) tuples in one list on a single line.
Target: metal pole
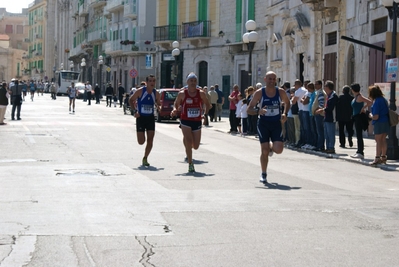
[(393, 148), (101, 79), (175, 70)]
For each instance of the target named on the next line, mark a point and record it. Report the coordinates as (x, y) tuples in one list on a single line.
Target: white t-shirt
[(300, 92)]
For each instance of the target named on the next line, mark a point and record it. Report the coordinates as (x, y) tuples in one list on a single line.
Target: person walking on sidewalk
[(147, 97), (270, 119), (121, 93), (109, 93), (344, 116), (72, 91), (361, 120), (191, 101), (88, 90), (16, 100), (380, 117)]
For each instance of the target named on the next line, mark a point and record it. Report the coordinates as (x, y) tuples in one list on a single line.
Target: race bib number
[(193, 112), (272, 111), (147, 109)]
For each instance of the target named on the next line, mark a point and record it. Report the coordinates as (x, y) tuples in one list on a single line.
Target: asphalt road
[(73, 193)]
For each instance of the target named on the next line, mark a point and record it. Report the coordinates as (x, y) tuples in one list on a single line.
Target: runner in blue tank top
[(147, 97), (270, 119)]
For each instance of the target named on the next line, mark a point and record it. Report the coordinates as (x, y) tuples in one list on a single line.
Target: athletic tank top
[(72, 92), (356, 106), (272, 105), (192, 107), (145, 104)]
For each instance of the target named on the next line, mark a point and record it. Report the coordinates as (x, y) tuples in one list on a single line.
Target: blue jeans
[(329, 133), (319, 120), (305, 126), (313, 131)]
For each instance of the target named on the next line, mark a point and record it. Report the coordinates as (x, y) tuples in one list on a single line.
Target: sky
[(15, 6)]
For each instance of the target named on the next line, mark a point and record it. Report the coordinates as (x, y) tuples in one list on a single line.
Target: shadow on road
[(279, 187), (195, 174), (149, 168)]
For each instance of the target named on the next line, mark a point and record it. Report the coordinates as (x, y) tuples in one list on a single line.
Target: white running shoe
[(357, 156)]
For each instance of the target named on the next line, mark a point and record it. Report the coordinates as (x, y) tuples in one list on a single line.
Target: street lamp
[(101, 62), (175, 54), (250, 38), (83, 65), (393, 10), (61, 66), (71, 64)]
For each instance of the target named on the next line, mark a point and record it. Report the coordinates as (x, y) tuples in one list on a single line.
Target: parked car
[(167, 99), (81, 91)]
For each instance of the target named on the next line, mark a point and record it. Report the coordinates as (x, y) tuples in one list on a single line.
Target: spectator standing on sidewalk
[(319, 101), (359, 106), (329, 116), (3, 102), (220, 102), (251, 119), (233, 98), (270, 119), (213, 99), (380, 117), (344, 117), (88, 90), (300, 92), (53, 91)]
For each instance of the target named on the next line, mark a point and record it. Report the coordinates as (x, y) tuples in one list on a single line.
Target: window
[(379, 25), (9, 29), (20, 29), (331, 38)]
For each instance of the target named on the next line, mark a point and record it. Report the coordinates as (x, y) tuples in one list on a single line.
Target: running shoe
[(191, 167), (263, 178), (145, 162), (357, 156)]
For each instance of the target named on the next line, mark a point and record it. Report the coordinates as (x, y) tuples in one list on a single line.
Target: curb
[(386, 167)]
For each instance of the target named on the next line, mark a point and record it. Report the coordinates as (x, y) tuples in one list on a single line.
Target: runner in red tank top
[(191, 101)]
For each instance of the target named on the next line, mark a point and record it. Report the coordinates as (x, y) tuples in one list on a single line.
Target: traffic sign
[(133, 73)]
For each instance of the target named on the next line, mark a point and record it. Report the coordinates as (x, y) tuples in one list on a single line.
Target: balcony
[(113, 48), (165, 35), (97, 3), (138, 48), (115, 5), (83, 9), (130, 9), (39, 36), (197, 32), (27, 40), (98, 36)]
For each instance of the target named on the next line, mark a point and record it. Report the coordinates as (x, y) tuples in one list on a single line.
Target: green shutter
[(251, 9), (238, 20), (172, 12), (203, 10)]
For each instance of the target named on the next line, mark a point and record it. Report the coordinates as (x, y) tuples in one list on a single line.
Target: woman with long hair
[(379, 115)]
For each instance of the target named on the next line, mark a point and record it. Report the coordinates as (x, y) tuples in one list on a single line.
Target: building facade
[(13, 45)]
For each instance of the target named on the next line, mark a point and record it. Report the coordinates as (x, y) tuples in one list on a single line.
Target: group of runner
[(192, 102)]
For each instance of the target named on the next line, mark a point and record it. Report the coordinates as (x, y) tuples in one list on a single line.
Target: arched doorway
[(203, 73)]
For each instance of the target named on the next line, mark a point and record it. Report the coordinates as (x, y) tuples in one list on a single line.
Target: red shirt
[(234, 94), (192, 107)]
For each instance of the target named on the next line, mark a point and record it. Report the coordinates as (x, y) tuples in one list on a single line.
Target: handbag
[(393, 118)]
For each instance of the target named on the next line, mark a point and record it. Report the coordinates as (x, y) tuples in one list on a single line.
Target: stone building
[(13, 45)]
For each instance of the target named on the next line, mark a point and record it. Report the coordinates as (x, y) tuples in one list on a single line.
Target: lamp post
[(393, 10), (250, 38), (83, 65), (71, 65), (101, 62), (62, 66), (175, 54)]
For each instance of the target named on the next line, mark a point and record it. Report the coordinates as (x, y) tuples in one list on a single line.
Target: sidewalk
[(340, 153)]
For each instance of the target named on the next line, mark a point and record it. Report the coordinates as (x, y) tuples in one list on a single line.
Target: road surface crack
[(145, 257)]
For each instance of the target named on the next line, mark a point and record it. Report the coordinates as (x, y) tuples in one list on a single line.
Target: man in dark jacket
[(3, 102), (109, 93), (344, 116), (121, 92), (16, 100), (97, 92)]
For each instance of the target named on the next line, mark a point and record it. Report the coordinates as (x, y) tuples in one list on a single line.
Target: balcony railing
[(97, 3), (130, 9), (167, 33), (113, 47), (139, 47), (197, 29), (115, 5), (97, 36), (83, 9)]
